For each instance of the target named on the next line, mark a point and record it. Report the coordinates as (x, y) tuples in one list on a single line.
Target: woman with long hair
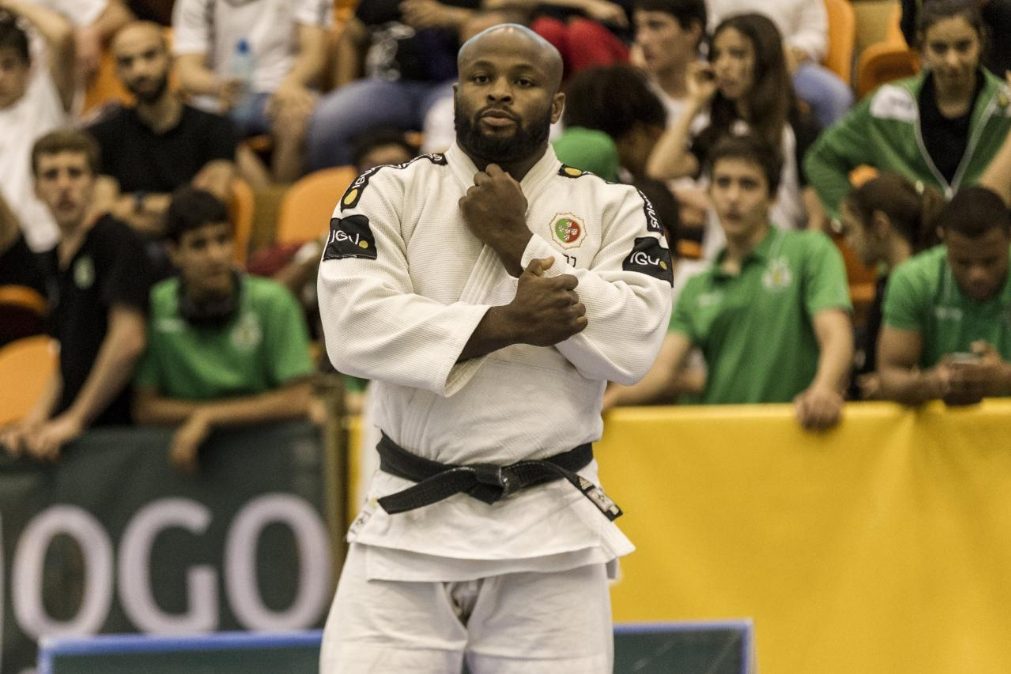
[(941, 127), (744, 87), (886, 220)]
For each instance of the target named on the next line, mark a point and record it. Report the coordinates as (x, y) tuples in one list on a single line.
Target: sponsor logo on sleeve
[(652, 220), (649, 257), (350, 237)]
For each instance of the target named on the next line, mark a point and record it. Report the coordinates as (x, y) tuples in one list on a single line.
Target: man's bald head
[(514, 37), (136, 31)]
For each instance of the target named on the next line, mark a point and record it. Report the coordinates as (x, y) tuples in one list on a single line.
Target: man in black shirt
[(101, 283), (160, 144)]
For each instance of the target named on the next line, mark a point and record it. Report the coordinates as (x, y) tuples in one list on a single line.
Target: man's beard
[(527, 139), (152, 96)]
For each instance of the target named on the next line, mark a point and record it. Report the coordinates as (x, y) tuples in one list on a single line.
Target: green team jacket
[(883, 131)]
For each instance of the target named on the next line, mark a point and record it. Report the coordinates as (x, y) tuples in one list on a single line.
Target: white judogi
[(402, 286)]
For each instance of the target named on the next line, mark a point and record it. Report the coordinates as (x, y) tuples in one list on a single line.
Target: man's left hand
[(45, 443), (818, 408), (494, 209)]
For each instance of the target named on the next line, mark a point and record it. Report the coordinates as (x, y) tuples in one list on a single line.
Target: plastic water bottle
[(240, 68)]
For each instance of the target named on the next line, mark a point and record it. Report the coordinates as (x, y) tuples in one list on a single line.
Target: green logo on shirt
[(84, 273), (778, 275), (247, 334)]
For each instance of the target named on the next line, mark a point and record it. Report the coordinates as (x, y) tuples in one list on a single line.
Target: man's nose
[(500, 90)]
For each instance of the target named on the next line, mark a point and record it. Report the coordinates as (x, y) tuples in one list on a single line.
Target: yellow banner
[(880, 547)]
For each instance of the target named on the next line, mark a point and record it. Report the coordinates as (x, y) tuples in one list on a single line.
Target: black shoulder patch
[(353, 194), (570, 171), (649, 257), (350, 237), (653, 223)]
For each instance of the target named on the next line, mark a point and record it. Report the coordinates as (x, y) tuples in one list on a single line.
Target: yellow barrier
[(878, 547)]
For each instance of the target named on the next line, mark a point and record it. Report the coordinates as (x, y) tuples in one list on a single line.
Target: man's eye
[(479, 79), (525, 82)]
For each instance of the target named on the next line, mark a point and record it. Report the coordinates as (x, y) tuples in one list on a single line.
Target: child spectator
[(770, 314), (225, 349)]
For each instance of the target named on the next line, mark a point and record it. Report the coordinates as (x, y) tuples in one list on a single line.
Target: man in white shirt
[(488, 294), (257, 61)]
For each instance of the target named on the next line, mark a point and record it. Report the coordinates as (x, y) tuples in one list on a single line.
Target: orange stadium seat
[(888, 60), (25, 367), (241, 208), (308, 204), (842, 31)]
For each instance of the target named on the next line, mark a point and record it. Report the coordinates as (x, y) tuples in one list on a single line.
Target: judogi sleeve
[(626, 291), (376, 326)]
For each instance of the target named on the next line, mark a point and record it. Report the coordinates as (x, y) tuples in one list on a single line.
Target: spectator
[(996, 15), (745, 87), (667, 35), (225, 349), (396, 61), (159, 144), (35, 97), (941, 127), (95, 22), (587, 33), (946, 333), (101, 283), (286, 42), (885, 221), (619, 101), (23, 304), (771, 314), (804, 27)]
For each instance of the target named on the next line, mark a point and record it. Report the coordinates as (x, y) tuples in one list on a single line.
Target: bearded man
[(489, 294)]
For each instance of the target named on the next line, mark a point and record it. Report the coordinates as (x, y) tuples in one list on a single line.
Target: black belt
[(484, 481)]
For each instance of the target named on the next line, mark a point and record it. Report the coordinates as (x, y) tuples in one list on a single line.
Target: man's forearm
[(195, 78), (308, 65), (112, 369), (288, 402), (909, 386)]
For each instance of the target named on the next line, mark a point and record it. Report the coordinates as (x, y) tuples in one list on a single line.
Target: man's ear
[(557, 107)]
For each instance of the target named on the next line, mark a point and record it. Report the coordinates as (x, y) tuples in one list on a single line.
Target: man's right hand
[(546, 310)]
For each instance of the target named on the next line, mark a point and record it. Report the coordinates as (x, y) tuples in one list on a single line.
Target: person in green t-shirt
[(224, 348), (947, 311), (771, 315)]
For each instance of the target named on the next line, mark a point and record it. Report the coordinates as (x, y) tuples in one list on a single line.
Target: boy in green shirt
[(770, 315), (947, 311), (224, 348)]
